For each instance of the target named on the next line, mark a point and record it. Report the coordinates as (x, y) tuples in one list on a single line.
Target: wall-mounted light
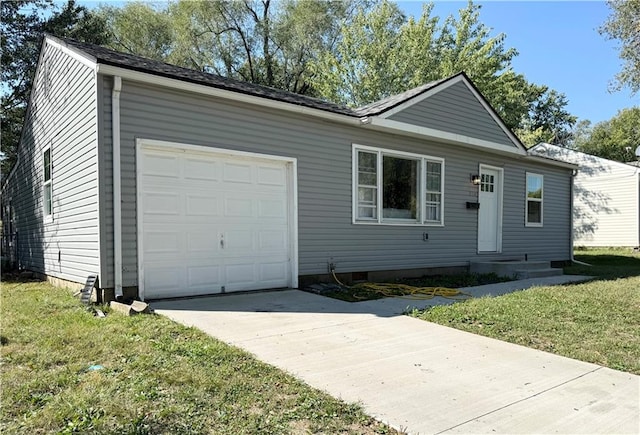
[(475, 179)]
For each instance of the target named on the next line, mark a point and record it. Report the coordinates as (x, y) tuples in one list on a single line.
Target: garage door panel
[(272, 176), (238, 240), (238, 173), (272, 240), (201, 169), (162, 165), (162, 242), (237, 274), (273, 272), (272, 208), (164, 277), (238, 207), (221, 223), (204, 276), (161, 203), (202, 242), (201, 205)]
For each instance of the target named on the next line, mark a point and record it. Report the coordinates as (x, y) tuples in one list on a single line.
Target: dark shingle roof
[(378, 107), (128, 61)]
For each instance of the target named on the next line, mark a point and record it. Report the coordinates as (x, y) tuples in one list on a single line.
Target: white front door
[(211, 222), (490, 212)]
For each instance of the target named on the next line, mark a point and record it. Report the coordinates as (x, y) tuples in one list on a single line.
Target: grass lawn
[(155, 377), (596, 321)]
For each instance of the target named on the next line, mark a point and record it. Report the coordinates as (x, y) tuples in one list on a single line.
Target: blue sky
[(559, 46)]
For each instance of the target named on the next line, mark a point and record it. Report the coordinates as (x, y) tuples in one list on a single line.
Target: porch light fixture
[(475, 180)]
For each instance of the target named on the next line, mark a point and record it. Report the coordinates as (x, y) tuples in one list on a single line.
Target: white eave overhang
[(144, 77), (553, 162), (402, 128)]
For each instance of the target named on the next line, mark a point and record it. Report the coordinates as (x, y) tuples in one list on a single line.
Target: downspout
[(117, 203), (571, 189)]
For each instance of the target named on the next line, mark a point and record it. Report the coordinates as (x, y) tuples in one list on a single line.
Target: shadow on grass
[(606, 266)]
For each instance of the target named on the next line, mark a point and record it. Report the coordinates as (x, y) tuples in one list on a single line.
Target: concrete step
[(538, 273)]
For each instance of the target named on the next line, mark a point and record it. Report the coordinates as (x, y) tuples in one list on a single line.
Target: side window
[(535, 197), (47, 199), (433, 192), (367, 185)]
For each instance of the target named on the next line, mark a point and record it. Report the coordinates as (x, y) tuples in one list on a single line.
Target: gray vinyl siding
[(456, 110), (62, 115), (323, 151)]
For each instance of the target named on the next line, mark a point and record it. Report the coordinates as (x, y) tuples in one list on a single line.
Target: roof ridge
[(135, 62)]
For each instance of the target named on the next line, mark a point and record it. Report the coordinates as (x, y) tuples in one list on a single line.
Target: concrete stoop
[(516, 268)]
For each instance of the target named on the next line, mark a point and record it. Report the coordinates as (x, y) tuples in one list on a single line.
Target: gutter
[(117, 196), (182, 85)]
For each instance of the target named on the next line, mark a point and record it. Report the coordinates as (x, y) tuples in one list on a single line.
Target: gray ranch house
[(168, 182)]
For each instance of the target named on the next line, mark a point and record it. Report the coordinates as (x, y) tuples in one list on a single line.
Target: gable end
[(455, 107)]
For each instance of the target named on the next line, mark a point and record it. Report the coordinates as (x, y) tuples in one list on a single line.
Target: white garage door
[(212, 223)]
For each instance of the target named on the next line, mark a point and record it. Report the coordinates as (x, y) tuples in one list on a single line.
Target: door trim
[(500, 208), (292, 197)]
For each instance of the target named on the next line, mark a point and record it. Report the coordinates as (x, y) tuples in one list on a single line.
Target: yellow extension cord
[(406, 291)]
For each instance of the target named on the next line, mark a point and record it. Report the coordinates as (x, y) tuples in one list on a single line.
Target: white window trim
[(47, 217), (527, 199), (421, 191)]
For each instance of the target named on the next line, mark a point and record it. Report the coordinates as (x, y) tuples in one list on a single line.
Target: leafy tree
[(366, 64), (23, 25), (548, 121), (139, 28), (264, 42), (381, 53), (624, 25), (615, 139)]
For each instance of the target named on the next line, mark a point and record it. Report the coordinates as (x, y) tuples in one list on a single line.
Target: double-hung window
[(391, 187), (535, 194), (47, 198)]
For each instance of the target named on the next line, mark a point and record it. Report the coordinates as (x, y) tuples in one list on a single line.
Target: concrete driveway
[(417, 376)]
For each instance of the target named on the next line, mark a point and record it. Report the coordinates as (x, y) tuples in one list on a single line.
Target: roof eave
[(440, 136), (156, 79)]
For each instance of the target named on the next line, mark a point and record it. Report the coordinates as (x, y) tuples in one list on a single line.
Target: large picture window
[(47, 188), (397, 188), (535, 188)]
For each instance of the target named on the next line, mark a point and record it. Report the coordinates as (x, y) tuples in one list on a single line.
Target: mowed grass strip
[(596, 321), (155, 376)]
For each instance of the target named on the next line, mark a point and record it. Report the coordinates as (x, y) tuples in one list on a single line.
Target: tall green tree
[(139, 28), (615, 139), (624, 25), (381, 53), (548, 121), (265, 42), (23, 24)]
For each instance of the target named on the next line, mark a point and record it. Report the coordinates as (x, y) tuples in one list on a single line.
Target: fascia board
[(144, 77), (72, 52), (418, 98), (552, 162), (403, 128)]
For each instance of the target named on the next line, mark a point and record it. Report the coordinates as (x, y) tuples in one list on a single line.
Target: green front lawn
[(65, 371), (596, 321)]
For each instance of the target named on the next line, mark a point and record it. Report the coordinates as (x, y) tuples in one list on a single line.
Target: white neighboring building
[(606, 198)]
